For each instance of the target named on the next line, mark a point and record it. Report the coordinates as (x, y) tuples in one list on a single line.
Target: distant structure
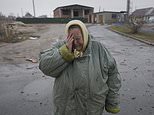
[(144, 14), (108, 17), (43, 16), (73, 11), (28, 15)]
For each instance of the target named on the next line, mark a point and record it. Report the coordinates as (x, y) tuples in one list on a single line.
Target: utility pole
[(128, 10), (99, 8), (33, 7), (21, 12), (128, 7)]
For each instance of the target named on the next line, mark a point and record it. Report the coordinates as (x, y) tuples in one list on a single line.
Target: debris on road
[(32, 67), (33, 37), (20, 56), (149, 85), (133, 98), (31, 60), (21, 92), (135, 68)]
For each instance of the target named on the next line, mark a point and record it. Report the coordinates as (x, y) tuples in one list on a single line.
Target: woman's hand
[(69, 42)]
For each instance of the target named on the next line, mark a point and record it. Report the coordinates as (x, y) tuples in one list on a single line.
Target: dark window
[(65, 12), (86, 12), (114, 16), (76, 13)]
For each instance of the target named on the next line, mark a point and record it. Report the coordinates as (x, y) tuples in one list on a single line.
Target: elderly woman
[(86, 75)]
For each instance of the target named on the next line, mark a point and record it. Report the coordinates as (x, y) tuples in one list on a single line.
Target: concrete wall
[(107, 17), (57, 13)]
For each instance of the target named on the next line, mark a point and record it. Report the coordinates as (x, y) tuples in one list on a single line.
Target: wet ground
[(24, 90), (147, 28), (136, 65)]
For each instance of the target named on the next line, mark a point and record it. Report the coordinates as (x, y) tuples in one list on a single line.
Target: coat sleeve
[(113, 82), (54, 60)]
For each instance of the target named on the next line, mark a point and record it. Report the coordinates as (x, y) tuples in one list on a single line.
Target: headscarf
[(84, 32)]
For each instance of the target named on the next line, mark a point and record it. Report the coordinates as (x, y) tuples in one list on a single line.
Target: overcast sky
[(46, 7)]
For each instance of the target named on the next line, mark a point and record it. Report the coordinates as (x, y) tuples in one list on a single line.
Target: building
[(43, 16), (144, 14), (151, 18), (108, 17), (28, 15), (73, 11)]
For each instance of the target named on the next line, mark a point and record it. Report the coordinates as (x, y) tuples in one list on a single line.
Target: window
[(114, 16), (76, 13), (65, 11), (86, 12)]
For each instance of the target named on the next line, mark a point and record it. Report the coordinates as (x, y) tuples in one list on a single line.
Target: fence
[(48, 20)]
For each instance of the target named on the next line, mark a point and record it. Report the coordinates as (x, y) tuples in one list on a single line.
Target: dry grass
[(125, 29), (7, 32), (15, 32)]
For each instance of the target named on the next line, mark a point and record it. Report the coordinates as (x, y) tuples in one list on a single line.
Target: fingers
[(69, 35), (70, 38), (69, 41)]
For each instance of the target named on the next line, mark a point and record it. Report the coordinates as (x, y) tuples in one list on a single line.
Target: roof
[(28, 14), (152, 13), (74, 5), (109, 12), (143, 12)]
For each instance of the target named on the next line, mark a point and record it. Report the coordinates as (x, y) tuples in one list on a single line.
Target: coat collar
[(87, 52)]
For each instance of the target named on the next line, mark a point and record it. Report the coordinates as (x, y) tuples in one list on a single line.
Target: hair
[(74, 27)]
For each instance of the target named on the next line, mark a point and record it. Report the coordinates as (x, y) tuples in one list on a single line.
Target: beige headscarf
[(85, 35)]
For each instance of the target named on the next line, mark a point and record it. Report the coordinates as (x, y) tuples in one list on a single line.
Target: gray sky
[(46, 7)]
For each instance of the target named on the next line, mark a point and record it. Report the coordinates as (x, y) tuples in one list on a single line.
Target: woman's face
[(78, 38)]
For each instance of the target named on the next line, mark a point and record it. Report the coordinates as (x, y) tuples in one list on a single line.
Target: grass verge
[(126, 30)]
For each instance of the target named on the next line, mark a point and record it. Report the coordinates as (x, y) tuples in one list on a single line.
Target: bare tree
[(7, 33), (135, 25)]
